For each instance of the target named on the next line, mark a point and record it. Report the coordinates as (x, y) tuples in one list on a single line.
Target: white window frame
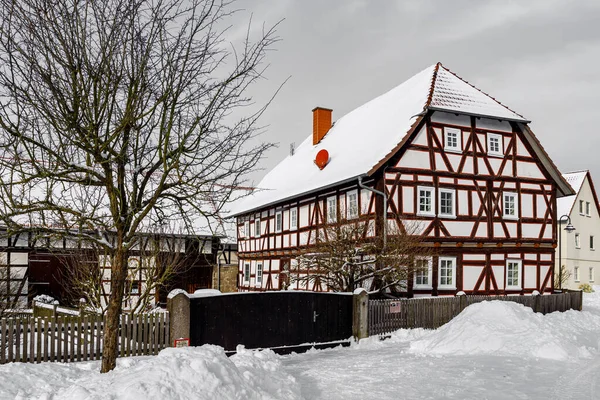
[(352, 209), (576, 276), (246, 273), (257, 227), (453, 193), (247, 229), (426, 285), (332, 209), (581, 207), (451, 286), (577, 241), (588, 208), (259, 274), (293, 218), (498, 137), (453, 131), (519, 273), (515, 198), (591, 275), (592, 243), (278, 222), (431, 191)]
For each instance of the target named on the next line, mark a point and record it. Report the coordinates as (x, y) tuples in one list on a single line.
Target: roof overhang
[(521, 120)]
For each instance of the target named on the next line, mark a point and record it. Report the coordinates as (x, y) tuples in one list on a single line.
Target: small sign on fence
[(395, 307), (182, 342)]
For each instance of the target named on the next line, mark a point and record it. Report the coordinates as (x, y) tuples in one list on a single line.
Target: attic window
[(452, 139), (494, 142)]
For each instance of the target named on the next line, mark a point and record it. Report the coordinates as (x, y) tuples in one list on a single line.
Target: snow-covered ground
[(493, 350)]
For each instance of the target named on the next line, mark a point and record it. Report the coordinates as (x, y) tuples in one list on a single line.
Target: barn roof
[(360, 141)]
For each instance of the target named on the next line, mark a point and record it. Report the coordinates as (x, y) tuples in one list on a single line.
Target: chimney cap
[(322, 108)]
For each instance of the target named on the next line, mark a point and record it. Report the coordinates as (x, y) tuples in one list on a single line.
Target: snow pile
[(44, 299), (185, 373), (511, 329)]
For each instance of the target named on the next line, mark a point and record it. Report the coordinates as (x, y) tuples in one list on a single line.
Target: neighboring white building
[(580, 248)]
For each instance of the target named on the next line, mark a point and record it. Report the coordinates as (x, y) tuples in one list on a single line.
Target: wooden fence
[(385, 316), (68, 339)]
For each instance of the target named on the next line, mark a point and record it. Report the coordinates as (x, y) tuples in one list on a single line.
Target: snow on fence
[(385, 316), (70, 338)]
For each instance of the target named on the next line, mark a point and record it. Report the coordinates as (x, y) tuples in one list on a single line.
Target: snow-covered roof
[(451, 93), (364, 138), (564, 205)]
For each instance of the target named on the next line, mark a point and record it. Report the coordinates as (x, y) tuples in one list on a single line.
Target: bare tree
[(117, 115), (343, 258)]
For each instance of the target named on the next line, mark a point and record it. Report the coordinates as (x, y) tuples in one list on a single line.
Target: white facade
[(580, 249)]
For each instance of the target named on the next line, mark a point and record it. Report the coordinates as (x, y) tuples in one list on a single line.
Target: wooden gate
[(271, 319)]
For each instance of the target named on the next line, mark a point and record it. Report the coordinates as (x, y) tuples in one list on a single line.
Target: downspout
[(385, 224)]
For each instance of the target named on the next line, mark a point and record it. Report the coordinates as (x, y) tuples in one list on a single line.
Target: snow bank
[(186, 373), (510, 329)]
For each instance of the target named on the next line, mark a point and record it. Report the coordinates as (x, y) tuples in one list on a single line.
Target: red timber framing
[(497, 226)]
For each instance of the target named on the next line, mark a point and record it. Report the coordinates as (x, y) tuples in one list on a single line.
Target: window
[(592, 243), (246, 229), (494, 142), (278, 221), (577, 241), (587, 208), (331, 209), (513, 274), (452, 140), (352, 202), (447, 273), (591, 274), (422, 274), (581, 207), (293, 218), (447, 203), (247, 272), (510, 206), (425, 200), (259, 271), (257, 226), (135, 287), (576, 274)]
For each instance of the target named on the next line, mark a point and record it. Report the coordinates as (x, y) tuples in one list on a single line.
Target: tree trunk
[(115, 302)]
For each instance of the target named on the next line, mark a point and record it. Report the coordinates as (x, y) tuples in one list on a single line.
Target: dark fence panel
[(271, 319)]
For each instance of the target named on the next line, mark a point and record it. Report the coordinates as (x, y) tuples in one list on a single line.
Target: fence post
[(178, 305), (360, 314), (536, 301), (462, 297), (581, 300)]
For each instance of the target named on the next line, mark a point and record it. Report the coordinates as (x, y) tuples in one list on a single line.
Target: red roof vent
[(322, 158)]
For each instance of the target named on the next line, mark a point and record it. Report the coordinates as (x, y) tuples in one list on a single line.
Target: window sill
[(422, 287), (422, 214), (510, 218), (513, 288), (447, 216), (452, 150), (495, 154)]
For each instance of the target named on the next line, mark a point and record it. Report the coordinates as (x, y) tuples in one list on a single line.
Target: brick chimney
[(321, 123)]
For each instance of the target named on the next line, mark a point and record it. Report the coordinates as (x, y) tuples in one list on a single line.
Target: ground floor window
[(576, 274), (447, 273), (422, 274), (591, 274), (247, 272), (513, 274)]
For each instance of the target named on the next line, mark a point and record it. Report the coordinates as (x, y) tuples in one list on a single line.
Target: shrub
[(586, 288)]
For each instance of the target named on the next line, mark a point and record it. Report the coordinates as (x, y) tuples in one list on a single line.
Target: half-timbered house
[(451, 160)]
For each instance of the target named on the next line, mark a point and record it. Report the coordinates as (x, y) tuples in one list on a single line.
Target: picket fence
[(74, 338), (385, 316)]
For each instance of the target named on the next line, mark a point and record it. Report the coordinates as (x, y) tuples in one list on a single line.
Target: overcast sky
[(539, 58)]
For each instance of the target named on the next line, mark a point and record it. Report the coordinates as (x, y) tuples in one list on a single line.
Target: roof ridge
[(432, 86), (479, 90)]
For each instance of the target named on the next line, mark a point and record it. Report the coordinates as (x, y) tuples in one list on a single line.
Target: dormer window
[(452, 139), (494, 142)]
